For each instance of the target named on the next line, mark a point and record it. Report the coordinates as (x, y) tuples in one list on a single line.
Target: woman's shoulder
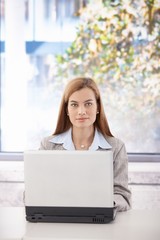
[(45, 143), (48, 144), (48, 138), (115, 142), (118, 148)]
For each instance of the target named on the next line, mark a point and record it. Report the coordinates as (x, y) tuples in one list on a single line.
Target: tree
[(117, 43)]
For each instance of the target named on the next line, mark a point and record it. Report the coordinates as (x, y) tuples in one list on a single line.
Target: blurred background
[(46, 43)]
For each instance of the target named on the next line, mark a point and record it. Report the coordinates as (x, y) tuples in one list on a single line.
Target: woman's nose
[(81, 110)]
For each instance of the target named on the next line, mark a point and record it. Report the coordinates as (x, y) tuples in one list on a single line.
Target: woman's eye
[(74, 105), (89, 104)]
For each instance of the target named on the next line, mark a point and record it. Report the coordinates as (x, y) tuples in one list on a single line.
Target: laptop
[(69, 186)]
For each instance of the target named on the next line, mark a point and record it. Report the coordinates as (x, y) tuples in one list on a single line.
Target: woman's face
[(82, 108)]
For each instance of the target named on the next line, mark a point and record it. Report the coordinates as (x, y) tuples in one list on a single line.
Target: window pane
[(54, 41)]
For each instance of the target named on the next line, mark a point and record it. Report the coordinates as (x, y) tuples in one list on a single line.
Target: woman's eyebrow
[(73, 101), (88, 100)]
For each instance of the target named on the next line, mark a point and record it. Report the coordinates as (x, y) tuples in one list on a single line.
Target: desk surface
[(131, 225)]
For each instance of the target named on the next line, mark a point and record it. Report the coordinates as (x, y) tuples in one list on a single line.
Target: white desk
[(131, 225)]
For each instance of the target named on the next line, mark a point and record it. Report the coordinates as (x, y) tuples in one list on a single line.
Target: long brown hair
[(63, 122)]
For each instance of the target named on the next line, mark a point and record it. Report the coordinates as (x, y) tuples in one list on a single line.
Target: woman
[(82, 125)]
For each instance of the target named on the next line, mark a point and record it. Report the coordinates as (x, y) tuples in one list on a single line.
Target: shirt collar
[(99, 141), (66, 139)]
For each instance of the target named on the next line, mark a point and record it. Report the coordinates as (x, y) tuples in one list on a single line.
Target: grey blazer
[(122, 194)]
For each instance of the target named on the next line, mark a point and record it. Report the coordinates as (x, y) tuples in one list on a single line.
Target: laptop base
[(70, 214)]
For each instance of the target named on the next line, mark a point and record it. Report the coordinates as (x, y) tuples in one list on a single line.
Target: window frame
[(11, 156), (132, 157)]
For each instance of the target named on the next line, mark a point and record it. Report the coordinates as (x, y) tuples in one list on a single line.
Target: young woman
[(82, 125)]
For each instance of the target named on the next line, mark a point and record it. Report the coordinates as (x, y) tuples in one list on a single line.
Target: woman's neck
[(82, 137)]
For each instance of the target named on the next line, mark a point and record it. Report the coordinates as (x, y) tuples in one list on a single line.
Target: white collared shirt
[(66, 139)]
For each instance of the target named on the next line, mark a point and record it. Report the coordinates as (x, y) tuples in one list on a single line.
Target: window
[(45, 43)]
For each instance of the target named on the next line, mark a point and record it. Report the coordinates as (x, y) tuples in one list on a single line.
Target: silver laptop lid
[(68, 178)]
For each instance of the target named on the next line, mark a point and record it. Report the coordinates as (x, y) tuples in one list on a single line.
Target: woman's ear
[(98, 109)]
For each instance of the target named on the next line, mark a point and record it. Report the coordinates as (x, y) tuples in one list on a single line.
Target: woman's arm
[(122, 194)]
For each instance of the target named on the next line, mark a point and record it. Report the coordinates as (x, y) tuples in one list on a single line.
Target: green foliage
[(118, 44)]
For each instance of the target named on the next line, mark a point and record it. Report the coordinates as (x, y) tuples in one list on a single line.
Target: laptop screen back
[(68, 178)]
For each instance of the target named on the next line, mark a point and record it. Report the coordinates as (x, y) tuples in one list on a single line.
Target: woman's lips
[(81, 119)]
